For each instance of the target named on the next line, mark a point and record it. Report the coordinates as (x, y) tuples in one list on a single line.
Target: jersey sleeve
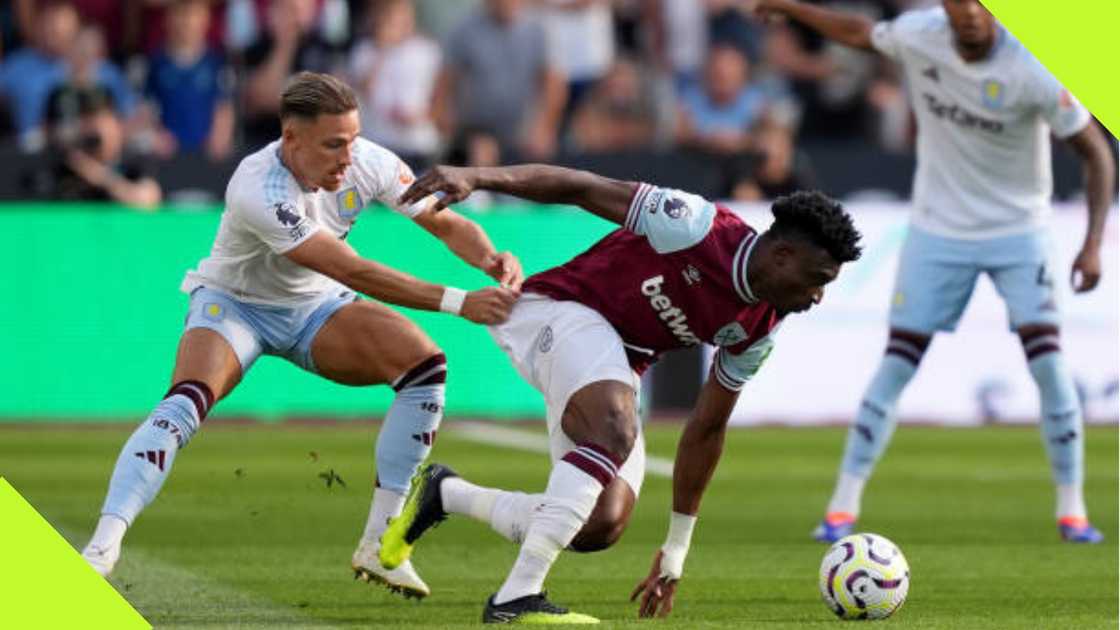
[(671, 220), (383, 177), (890, 37), (734, 370), (1058, 106), (274, 216)]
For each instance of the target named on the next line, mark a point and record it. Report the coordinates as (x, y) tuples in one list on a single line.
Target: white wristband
[(452, 300), (676, 545)]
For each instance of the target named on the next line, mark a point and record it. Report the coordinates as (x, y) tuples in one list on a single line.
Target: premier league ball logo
[(286, 214), (675, 208)]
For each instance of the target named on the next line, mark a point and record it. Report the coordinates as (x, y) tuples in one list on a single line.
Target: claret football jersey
[(674, 276)]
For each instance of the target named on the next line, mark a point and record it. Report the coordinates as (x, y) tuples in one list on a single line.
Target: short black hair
[(821, 220)]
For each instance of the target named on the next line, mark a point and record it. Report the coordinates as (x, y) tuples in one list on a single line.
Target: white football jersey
[(983, 128), (267, 214)]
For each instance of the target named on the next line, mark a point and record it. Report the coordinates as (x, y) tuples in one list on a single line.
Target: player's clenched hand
[(657, 591), (506, 269), (453, 183), (1086, 272), (489, 306)]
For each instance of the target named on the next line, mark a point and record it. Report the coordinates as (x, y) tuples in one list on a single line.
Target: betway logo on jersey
[(961, 117), (671, 315)]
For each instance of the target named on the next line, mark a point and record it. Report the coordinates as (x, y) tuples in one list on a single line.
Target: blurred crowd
[(103, 88)]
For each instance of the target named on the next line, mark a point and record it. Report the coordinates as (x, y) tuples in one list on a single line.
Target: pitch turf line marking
[(144, 581), (496, 435)]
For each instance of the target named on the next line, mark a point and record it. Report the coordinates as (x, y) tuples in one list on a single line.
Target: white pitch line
[(495, 434)]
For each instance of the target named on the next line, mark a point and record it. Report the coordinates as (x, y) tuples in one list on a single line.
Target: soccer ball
[(864, 576)]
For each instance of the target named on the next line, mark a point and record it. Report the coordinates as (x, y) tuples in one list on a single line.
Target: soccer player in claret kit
[(681, 271), (985, 109), (281, 280)]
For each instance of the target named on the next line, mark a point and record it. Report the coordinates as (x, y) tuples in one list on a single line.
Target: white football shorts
[(561, 347)]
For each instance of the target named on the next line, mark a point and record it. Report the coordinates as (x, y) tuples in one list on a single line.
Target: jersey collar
[(739, 268)]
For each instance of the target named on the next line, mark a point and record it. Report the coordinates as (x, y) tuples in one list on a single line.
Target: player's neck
[(972, 53), (289, 163)]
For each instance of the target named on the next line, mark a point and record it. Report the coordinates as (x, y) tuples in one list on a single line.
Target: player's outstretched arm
[(1100, 182), (698, 452), (335, 259), (847, 28), (605, 197), (469, 242)]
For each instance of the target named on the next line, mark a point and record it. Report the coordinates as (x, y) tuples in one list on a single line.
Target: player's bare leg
[(1062, 429), (206, 370), (367, 343), (608, 520)]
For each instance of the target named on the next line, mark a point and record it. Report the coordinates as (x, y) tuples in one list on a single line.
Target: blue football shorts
[(937, 274), (254, 329)]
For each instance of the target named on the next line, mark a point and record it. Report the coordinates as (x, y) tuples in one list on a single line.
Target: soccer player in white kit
[(281, 280), (985, 110)]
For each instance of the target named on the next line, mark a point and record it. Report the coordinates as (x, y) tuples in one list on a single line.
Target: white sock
[(528, 573), (567, 503), (507, 513), (109, 533), (846, 497), (513, 513), (386, 505), (1071, 503), (463, 497)]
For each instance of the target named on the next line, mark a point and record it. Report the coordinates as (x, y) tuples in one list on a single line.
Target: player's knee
[(603, 529), (432, 370)]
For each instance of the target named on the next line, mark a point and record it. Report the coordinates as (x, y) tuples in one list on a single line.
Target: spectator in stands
[(16, 25), (109, 18), (394, 72), (678, 37), (439, 17), (87, 65), (28, 75), (779, 168), (831, 80), (87, 143), (497, 79), (718, 115), (580, 37), (147, 24), (731, 22), (478, 148), (190, 85), (617, 115), (291, 43)]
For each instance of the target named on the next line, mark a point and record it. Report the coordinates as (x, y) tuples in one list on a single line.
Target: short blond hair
[(309, 94)]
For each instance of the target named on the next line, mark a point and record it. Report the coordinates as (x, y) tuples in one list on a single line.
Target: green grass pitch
[(247, 533)]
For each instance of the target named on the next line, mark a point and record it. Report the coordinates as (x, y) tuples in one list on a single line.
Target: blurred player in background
[(681, 272), (985, 110), (281, 280)]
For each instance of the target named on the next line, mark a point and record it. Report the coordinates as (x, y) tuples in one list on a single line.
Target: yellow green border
[(1074, 40), (44, 583)]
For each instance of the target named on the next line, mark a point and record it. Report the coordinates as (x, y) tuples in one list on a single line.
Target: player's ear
[(784, 252), (288, 128)]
